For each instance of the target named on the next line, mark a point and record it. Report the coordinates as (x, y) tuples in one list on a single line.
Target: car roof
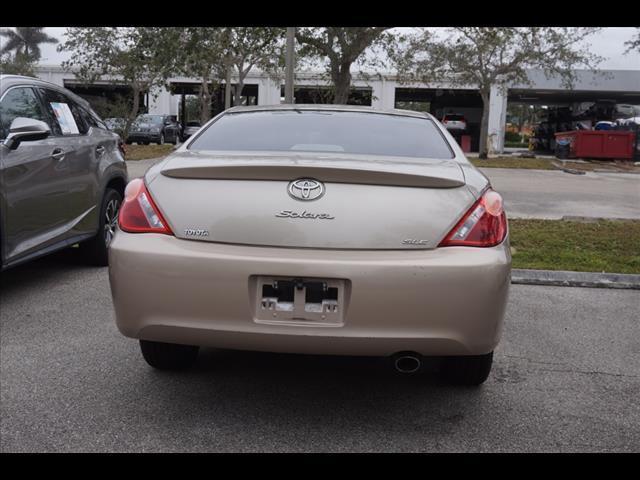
[(327, 107), (7, 81)]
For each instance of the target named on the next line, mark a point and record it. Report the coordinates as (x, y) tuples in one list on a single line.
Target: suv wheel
[(168, 356), (470, 370), (96, 249)]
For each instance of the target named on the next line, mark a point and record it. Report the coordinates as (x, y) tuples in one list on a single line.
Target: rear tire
[(168, 356), (96, 250), (470, 370)]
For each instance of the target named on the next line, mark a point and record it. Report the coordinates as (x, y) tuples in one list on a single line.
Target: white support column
[(162, 103), (385, 91), (268, 92), (497, 119), (174, 102)]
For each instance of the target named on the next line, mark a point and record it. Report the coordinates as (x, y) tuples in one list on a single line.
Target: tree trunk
[(227, 89), (342, 82), (133, 113), (237, 100), (205, 101), (484, 125)]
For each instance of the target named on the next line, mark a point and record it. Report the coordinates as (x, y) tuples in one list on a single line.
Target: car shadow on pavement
[(40, 271), (321, 393), (305, 374)]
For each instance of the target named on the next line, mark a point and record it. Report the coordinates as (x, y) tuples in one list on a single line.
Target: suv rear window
[(324, 131), (455, 118)]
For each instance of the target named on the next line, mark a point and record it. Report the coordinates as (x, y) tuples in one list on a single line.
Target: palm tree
[(25, 41)]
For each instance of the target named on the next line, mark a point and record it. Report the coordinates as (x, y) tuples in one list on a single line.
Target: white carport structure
[(384, 91)]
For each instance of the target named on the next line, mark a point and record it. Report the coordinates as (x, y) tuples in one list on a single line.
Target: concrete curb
[(575, 279), (582, 219)]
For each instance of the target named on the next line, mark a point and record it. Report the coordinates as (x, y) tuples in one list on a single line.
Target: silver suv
[(62, 173)]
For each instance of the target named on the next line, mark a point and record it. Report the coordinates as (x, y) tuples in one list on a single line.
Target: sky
[(608, 43)]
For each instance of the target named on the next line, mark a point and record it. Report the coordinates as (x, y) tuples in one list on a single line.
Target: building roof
[(328, 107), (9, 80), (603, 80)]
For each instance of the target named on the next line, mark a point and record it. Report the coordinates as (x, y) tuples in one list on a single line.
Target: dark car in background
[(190, 129), (116, 125), (160, 129), (62, 173)]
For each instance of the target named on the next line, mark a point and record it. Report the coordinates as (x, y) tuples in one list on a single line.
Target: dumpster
[(612, 144), (465, 143)]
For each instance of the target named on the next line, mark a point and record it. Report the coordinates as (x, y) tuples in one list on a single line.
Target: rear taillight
[(138, 213), (122, 148), (484, 225)]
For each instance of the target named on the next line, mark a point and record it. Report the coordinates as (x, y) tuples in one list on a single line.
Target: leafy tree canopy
[(483, 57), (25, 42), (341, 48)]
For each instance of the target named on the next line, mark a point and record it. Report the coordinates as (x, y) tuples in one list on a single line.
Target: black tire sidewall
[(469, 371), (96, 249), (168, 356)]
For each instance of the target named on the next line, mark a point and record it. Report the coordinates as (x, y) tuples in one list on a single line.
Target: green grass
[(142, 152), (603, 246), (514, 162)]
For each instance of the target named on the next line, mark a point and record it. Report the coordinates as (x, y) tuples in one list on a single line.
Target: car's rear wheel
[(469, 370), (168, 356), (96, 250)]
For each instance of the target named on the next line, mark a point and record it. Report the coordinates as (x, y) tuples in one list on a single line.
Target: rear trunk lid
[(367, 203)]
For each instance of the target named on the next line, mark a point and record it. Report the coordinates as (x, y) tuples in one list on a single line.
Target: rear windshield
[(325, 131), (155, 119), (457, 118)]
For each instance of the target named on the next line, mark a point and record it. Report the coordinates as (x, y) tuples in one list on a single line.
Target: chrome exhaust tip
[(407, 362)]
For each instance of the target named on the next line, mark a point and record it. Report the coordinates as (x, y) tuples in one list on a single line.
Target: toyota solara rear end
[(315, 229)]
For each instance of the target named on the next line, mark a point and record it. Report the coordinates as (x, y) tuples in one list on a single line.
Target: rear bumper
[(448, 301), (143, 137)]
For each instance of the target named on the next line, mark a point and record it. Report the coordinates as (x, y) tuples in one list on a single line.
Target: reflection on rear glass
[(325, 131)]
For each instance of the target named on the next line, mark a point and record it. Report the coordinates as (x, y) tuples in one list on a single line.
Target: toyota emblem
[(306, 189)]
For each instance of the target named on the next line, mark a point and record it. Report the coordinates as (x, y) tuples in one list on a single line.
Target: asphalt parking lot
[(566, 378)]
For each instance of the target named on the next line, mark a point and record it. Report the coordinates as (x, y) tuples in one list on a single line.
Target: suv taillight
[(484, 225), (122, 148), (139, 213)]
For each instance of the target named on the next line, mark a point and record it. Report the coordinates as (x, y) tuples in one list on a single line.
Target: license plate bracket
[(298, 300)]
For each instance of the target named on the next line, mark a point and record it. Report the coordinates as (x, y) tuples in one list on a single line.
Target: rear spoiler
[(431, 174)]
